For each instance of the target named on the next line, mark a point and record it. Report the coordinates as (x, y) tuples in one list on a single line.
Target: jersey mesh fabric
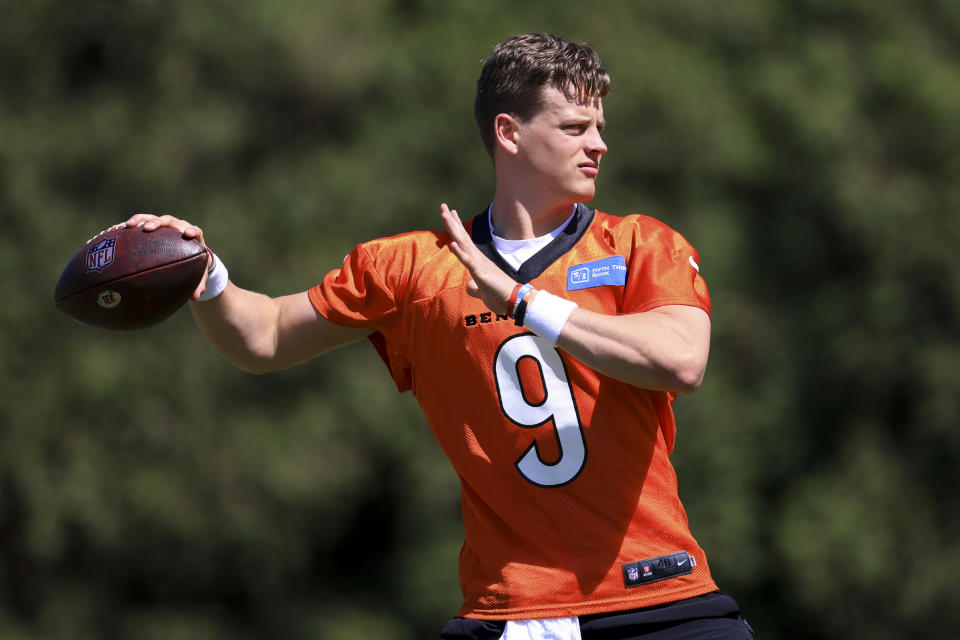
[(549, 545)]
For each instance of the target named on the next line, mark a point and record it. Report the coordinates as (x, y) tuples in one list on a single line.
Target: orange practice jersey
[(569, 500)]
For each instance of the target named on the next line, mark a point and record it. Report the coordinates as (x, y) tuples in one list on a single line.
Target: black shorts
[(714, 616)]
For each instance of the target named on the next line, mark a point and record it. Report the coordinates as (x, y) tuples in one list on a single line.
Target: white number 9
[(558, 405)]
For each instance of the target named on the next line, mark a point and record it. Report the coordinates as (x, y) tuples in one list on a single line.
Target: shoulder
[(407, 262), (639, 230), (409, 243), (403, 253), (631, 223)]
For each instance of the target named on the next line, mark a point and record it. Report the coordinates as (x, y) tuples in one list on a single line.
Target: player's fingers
[(166, 221), (473, 260), (138, 219), (151, 222), (460, 242), (457, 231), (453, 225), (456, 250)]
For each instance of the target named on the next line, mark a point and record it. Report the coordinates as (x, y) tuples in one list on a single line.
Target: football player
[(564, 336)]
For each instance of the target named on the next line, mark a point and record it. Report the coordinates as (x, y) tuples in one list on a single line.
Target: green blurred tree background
[(809, 149)]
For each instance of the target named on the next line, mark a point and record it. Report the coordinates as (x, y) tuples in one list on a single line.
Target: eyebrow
[(578, 119)]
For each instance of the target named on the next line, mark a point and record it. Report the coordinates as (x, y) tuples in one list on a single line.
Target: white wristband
[(547, 314), (217, 277)]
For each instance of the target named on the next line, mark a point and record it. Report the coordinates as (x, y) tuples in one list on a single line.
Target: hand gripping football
[(127, 278)]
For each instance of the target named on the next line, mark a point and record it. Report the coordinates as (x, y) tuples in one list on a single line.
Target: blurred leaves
[(810, 150)]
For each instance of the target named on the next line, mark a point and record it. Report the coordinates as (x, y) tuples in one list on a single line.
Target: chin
[(585, 195)]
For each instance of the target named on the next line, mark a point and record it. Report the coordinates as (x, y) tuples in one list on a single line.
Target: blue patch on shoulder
[(612, 270)]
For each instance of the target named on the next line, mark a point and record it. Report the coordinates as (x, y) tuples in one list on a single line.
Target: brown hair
[(517, 70)]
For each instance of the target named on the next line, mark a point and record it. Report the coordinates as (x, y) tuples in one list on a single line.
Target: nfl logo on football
[(100, 255)]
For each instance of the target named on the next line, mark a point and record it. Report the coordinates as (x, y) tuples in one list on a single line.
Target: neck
[(517, 220)]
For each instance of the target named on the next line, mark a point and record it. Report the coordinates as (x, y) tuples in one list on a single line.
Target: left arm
[(663, 349)]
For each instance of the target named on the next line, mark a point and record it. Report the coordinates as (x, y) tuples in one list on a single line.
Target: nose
[(595, 143)]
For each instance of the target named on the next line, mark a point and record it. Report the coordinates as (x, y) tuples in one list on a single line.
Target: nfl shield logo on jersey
[(633, 573), (100, 255)]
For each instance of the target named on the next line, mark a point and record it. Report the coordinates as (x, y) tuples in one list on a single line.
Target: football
[(126, 278)]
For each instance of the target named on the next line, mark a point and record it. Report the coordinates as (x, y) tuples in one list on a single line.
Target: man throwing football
[(545, 342)]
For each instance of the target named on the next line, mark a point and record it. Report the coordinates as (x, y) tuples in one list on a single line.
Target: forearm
[(241, 325), (662, 349), (260, 334)]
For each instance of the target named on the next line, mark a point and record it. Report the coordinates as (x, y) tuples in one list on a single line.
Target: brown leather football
[(127, 278)]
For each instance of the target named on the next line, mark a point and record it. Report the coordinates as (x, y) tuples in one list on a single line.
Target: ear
[(507, 131)]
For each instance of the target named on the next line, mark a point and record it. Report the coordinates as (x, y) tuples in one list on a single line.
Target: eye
[(575, 128)]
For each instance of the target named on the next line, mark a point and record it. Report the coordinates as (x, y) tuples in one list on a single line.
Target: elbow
[(682, 374), (688, 382), (688, 372)]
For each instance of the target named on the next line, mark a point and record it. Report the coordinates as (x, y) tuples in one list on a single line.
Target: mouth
[(590, 168)]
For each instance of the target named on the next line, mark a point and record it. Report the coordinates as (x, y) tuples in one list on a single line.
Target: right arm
[(253, 331), (260, 334)]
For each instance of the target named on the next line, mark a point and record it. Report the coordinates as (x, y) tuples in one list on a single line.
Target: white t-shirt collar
[(516, 252)]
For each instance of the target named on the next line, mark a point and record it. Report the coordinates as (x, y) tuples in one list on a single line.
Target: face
[(558, 150)]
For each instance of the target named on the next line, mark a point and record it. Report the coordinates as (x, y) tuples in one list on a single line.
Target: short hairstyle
[(515, 73)]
